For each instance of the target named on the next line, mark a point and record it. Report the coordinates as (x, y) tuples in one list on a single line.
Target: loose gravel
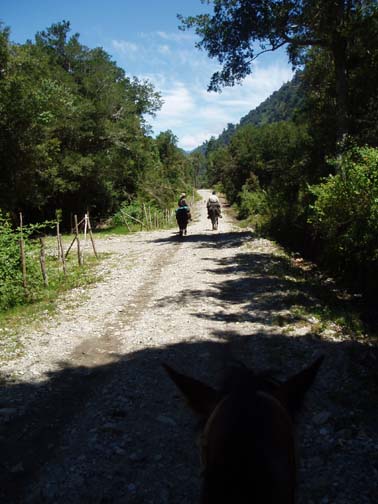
[(87, 414)]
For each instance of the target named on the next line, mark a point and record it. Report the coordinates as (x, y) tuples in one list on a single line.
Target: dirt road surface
[(87, 414)]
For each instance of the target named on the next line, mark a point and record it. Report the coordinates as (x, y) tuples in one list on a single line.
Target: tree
[(4, 49), (73, 127), (345, 216), (198, 163), (236, 27), (54, 40)]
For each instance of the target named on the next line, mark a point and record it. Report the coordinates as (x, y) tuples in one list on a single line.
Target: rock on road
[(92, 418)]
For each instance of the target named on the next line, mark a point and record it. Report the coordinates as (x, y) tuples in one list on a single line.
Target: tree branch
[(303, 42), (271, 49)]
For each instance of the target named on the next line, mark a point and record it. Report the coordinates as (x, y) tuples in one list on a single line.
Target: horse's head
[(247, 442)]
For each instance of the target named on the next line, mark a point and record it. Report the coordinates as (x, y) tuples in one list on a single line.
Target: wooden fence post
[(78, 241), (63, 258), (145, 213), (85, 236), (73, 241), (57, 239), (124, 218), (22, 252), (69, 248), (149, 213), (42, 260), (91, 237), (132, 218), (61, 255)]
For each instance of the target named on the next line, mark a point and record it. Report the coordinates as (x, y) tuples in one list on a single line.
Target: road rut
[(93, 416)]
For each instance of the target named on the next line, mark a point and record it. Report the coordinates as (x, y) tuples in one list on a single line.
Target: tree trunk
[(339, 55), (339, 50)]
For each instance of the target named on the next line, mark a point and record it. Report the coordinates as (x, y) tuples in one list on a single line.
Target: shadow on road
[(215, 239), (120, 432)]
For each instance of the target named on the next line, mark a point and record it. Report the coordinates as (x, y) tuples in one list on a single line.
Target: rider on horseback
[(182, 201), (213, 202), (183, 214)]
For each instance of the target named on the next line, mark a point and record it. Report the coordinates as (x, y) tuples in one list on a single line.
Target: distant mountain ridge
[(280, 106)]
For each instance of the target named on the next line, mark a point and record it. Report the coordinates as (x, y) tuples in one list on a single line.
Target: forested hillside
[(303, 167), (74, 132), (282, 105)]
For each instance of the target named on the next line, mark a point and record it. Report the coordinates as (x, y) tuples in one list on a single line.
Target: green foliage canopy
[(238, 31), (345, 212), (74, 129)]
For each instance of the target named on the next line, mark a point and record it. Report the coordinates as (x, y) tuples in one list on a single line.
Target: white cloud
[(164, 49), (182, 74), (190, 142), (178, 107), (195, 115), (159, 80), (177, 101), (267, 79), (125, 47), (215, 114), (253, 90), (176, 37)]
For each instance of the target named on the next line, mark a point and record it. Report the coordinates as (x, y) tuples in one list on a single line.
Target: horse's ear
[(200, 397), (295, 388)]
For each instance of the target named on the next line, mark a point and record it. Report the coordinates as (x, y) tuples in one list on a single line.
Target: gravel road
[(87, 414)]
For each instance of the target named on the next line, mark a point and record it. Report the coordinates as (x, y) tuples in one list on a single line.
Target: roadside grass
[(334, 310), (120, 230), (256, 222), (42, 302), (38, 301), (313, 299), (316, 307), (116, 229)]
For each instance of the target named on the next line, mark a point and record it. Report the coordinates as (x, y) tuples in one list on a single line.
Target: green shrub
[(131, 214), (345, 212), (12, 291), (133, 209), (252, 203)]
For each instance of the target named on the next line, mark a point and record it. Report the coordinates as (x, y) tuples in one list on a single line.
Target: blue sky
[(143, 38)]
